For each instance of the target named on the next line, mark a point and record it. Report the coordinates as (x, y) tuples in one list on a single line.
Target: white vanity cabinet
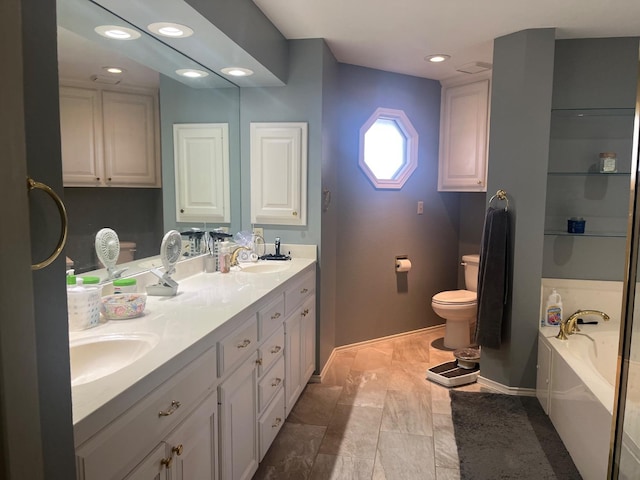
[(109, 138), (216, 418), (300, 334), (464, 122), (140, 443)]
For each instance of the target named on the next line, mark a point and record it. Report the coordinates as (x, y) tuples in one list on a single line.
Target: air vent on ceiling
[(105, 79), (474, 67)]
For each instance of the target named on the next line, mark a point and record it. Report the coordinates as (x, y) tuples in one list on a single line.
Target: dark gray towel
[(493, 278)]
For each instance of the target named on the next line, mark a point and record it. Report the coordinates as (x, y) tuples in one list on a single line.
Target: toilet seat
[(455, 297)]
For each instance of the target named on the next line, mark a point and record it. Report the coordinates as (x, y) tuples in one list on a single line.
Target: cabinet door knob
[(98, 179), (174, 406), (182, 210), (177, 450), (305, 312), (259, 361), (109, 179), (303, 291), (277, 422), (276, 349), (276, 382), (479, 182), (295, 214), (166, 462), (245, 343), (275, 315)]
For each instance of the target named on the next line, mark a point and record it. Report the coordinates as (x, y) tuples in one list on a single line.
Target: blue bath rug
[(507, 437)]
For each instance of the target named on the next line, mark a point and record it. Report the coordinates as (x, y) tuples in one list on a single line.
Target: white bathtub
[(581, 393)]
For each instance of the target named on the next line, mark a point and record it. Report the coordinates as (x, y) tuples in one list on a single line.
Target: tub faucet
[(569, 326)]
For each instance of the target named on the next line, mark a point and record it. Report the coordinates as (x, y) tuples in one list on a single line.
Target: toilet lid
[(458, 297)]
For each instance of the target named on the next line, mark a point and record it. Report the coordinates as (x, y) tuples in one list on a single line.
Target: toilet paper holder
[(403, 264)]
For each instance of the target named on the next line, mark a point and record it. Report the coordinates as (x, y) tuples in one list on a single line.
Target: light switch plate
[(258, 231), (420, 207)]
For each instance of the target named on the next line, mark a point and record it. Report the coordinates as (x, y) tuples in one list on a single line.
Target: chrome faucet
[(569, 326), (277, 245)]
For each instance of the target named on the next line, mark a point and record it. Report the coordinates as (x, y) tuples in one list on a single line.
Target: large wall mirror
[(132, 199)]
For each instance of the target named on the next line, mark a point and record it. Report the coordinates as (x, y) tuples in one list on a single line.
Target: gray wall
[(374, 226), (472, 212), (299, 101), (134, 213), (328, 268), (518, 148), (181, 104)]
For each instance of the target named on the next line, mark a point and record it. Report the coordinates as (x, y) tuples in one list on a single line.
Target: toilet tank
[(470, 263)]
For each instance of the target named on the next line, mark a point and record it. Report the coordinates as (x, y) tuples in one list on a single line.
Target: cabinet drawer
[(270, 384), (271, 350), (233, 347), (270, 423), (298, 292), (271, 317), (120, 446)]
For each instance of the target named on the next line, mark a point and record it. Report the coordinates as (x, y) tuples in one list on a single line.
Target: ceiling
[(396, 35)]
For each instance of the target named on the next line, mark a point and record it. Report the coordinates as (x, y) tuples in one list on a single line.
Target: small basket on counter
[(123, 306)]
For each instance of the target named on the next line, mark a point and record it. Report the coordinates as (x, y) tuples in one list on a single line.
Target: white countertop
[(183, 326)]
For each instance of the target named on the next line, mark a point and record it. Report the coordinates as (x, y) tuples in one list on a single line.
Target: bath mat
[(507, 437)]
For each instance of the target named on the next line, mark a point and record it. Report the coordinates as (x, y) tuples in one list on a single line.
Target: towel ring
[(31, 185), (500, 195)]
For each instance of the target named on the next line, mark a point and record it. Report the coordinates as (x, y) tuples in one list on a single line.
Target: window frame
[(410, 162)]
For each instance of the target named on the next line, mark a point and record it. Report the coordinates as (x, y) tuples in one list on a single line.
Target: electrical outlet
[(258, 231), (223, 229), (420, 207)]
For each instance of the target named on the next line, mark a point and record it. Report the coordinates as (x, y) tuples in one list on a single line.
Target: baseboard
[(500, 388), (318, 378)]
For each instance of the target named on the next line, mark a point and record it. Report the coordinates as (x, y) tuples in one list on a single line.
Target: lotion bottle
[(553, 311)]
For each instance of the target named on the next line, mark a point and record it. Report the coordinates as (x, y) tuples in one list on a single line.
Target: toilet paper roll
[(403, 265)]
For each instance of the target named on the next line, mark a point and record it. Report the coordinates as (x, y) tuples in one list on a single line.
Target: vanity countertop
[(185, 326)]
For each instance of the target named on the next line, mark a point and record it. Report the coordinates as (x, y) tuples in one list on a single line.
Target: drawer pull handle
[(276, 349), (275, 315), (166, 462), (304, 290), (277, 422), (177, 450), (174, 406), (259, 361), (244, 344), (305, 312), (276, 382)]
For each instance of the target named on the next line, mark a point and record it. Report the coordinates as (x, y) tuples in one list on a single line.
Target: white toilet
[(459, 307)]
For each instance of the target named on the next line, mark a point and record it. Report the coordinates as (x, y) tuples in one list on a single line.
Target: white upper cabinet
[(201, 153), (81, 135), (464, 121), (130, 156), (279, 173), (109, 138)]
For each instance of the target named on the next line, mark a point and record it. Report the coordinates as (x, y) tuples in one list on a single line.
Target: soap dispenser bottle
[(553, 310)]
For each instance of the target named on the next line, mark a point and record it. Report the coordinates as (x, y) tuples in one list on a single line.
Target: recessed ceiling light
[(237, 71), (440, 57), (114, 70), (191, 73), (168, 29), (117, 32)]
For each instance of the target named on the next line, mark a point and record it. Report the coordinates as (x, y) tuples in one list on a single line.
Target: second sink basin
[(95, 357), (267, 267)]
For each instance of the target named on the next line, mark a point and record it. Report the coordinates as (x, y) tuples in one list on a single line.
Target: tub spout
[(569, 326)]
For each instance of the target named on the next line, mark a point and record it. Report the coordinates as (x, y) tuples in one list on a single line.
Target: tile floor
[(374, 416)]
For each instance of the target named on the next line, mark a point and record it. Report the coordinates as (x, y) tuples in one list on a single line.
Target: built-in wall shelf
[(589, 174), (586, 234)]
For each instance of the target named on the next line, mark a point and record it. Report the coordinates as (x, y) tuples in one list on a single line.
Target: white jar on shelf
[(608, 162)]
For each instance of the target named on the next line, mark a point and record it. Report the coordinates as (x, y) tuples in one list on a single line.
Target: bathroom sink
[(267, 267), (96, 357)]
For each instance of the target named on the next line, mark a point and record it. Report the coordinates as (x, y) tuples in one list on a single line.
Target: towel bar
[(500, 195)]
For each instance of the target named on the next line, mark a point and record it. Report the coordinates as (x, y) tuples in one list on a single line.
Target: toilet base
[(457, 334)]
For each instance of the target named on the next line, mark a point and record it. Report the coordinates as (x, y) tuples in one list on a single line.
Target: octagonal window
[(388, 148)]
